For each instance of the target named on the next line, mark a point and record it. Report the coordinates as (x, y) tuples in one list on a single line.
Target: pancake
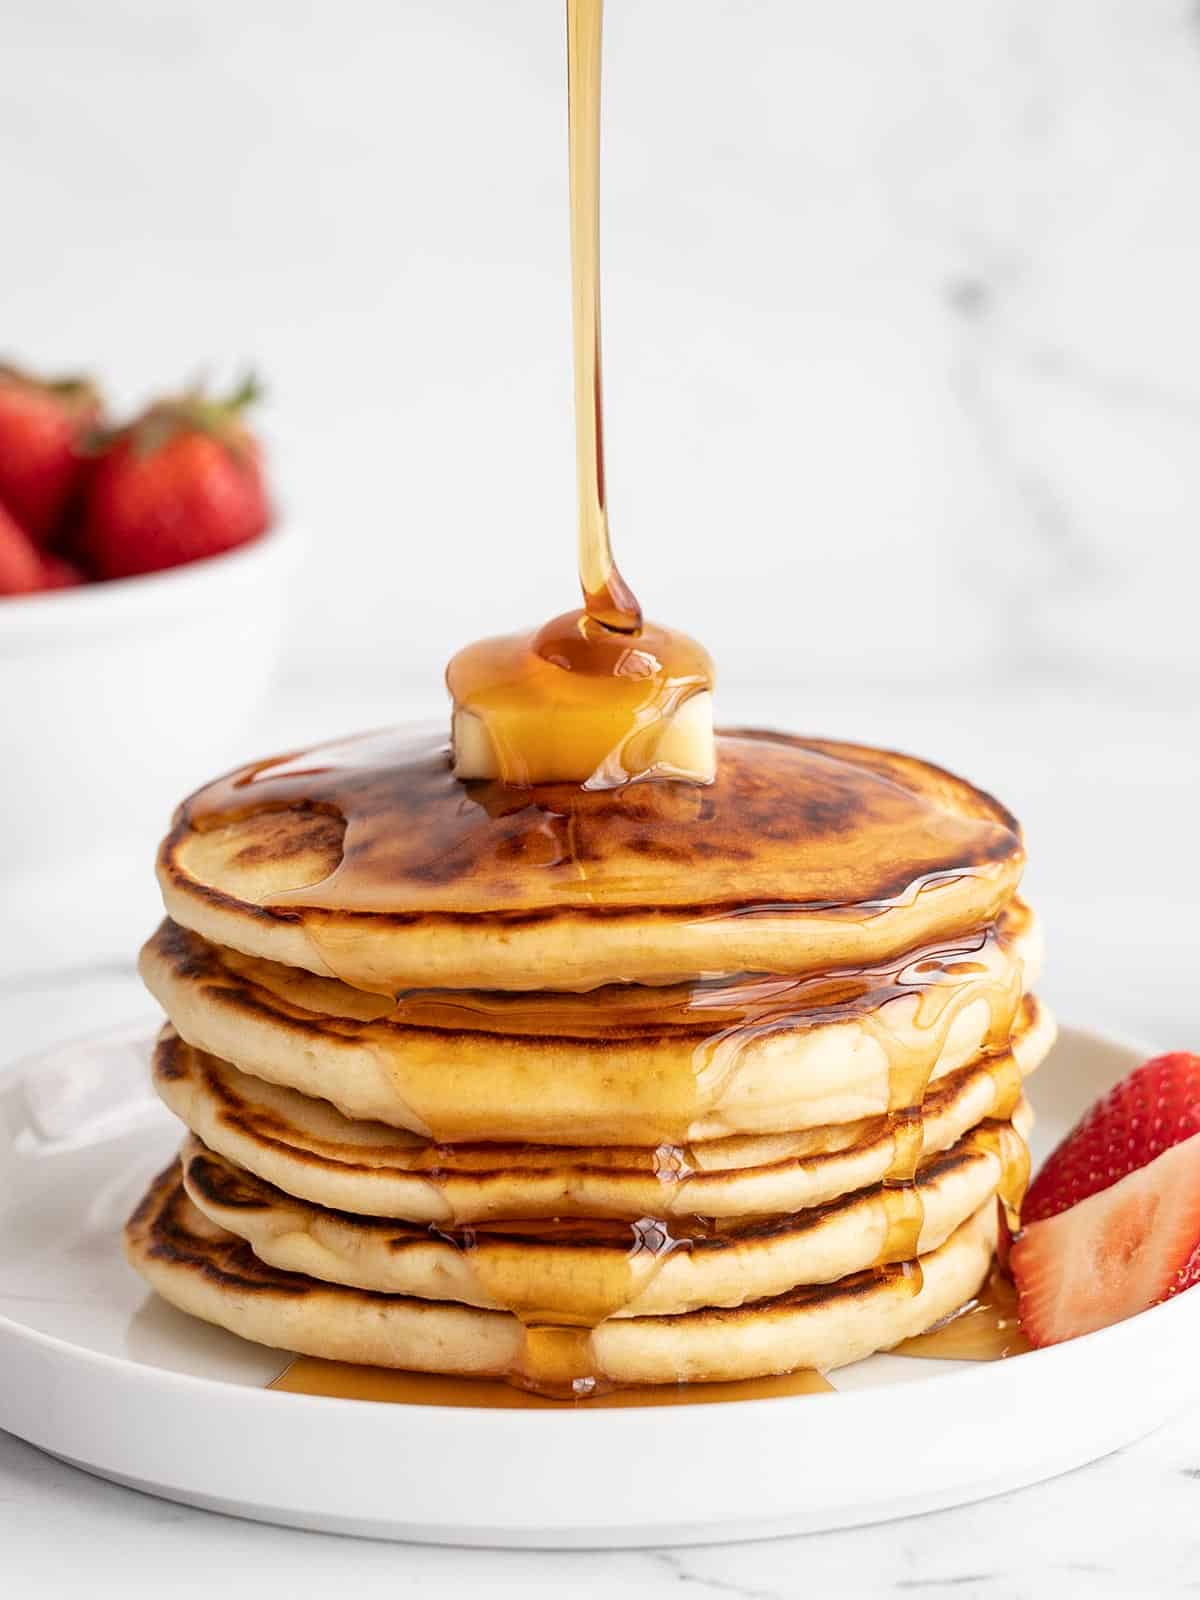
[(368, 860), (212, 1274), (634, 1065), (563, 1271), (308, 1149)]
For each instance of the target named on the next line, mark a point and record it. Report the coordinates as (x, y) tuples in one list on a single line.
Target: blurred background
[(902, 366)]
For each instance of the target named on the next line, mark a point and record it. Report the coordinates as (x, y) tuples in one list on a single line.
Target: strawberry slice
[(1114, 1254), (1112, 1223)]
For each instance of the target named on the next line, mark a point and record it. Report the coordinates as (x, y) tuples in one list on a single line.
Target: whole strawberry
[(181, 483), (20, 559), (44, 427)]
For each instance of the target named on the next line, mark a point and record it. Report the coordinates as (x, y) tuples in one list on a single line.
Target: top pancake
[(368, 860)]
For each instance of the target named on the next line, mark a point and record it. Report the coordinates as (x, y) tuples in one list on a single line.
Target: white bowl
[(116, 699)]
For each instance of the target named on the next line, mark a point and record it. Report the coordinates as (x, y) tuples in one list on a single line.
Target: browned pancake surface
[(380, 824)]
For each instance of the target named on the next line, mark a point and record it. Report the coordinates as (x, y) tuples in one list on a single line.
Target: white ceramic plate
[(97, 1371)]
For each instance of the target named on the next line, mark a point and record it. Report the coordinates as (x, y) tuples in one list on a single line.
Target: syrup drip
[(616, 1263), (939, 1005), (1003, 1141), (560, 1363), (341, 1380), (1005, 1072)]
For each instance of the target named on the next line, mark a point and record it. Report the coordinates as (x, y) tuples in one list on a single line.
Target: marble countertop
[(1107, 787)]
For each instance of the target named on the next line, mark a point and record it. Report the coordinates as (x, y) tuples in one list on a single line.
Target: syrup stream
[(607, 597)]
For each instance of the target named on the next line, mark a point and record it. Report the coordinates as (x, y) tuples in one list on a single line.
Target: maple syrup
[(343, 1381), (987, 1328), (1003, 1141), (598, 696), (608, 599), (612, 1264)]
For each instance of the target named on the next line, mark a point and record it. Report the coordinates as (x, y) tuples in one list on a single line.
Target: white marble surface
[(1127, 1526), (1107, 787)]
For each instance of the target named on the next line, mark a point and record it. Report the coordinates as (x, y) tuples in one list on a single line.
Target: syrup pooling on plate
[(986, 1329), (343, 1381)]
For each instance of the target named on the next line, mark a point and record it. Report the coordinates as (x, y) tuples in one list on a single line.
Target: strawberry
[(183, 482), (44, 428), (20, 560), (1155, 1107), (57, 573), (1112, 1223)]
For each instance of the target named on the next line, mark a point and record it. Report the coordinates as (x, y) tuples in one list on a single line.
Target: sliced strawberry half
[(1116, 1253), (1112, 1222)]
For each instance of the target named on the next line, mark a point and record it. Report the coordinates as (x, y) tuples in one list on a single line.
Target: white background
[(903, 375), (903, 360)]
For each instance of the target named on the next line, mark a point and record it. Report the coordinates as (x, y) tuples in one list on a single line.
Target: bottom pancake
[(212, 1274)]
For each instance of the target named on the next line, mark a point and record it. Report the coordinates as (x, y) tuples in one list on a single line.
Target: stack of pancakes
[(589, 1088)]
